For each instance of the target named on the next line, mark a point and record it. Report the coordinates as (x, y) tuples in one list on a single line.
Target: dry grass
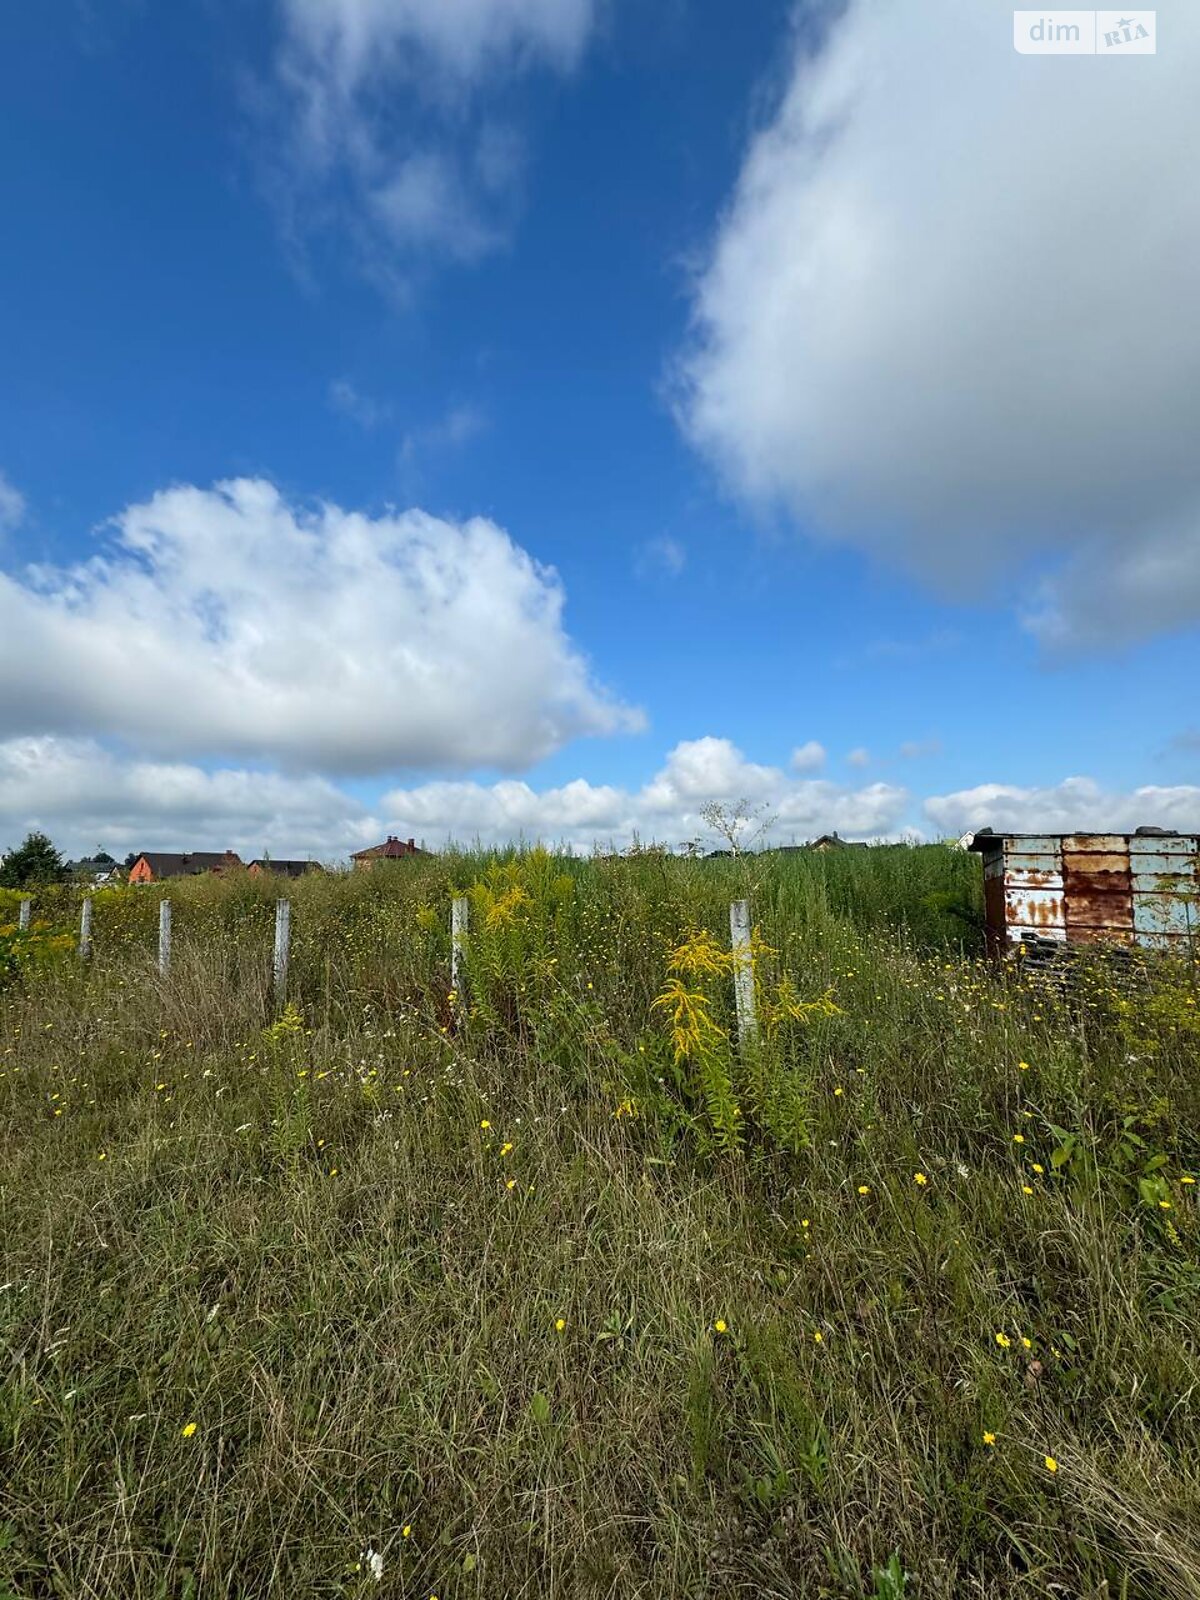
[(341, 1246)]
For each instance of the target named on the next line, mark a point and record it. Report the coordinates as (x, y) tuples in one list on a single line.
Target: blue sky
[(544, 416)]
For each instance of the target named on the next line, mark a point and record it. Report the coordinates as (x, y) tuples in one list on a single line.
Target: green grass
[(340, 1244)]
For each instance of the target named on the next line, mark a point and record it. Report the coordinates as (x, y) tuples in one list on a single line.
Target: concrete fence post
[(23, 914), (283, 930), (458, 929), (85, 929), (743, 972), (164, 936)]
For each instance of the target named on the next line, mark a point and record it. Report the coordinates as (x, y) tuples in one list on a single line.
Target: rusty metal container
[(1085, 888)]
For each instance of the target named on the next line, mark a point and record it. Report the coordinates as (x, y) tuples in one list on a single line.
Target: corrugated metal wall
[(1087, 887)]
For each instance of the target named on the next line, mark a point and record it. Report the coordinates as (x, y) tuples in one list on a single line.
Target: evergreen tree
[(36, 861)]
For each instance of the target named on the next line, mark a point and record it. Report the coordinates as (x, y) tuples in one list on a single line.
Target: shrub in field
[(26, 952), (758, 1086)]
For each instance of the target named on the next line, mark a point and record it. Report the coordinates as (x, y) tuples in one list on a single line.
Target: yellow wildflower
[(1003, 1341), (560, 1324), (1051, 1464), (864, 1188), (989, 1438), (188, 1429), (1018, 1138), (920, 1179), (719, 1325)]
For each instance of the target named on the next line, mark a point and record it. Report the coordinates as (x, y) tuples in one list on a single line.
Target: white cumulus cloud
[(226, 622), (809, 757), (84, 794), (668, 807), (948, 315), (1075, 805)]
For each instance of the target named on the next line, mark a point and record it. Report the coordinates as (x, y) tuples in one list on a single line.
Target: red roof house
[(391, 850)]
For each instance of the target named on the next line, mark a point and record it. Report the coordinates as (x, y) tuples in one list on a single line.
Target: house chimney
[(411, 845)]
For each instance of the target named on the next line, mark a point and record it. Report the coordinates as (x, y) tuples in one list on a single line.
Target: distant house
[(391, 850), (96, 870), (834, 841), (152, 866), (284, 869)]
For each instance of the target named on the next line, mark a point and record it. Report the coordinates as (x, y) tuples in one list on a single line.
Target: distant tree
[(741, 825), (103, 859), (36, 861)]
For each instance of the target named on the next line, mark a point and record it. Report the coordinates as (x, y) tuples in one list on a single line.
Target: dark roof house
[(284, 869), (97, 869), (154, 865)]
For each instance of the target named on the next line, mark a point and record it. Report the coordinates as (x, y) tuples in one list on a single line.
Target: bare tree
[(740, 824)]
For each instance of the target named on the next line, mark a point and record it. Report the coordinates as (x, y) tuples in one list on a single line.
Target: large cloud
[(84, 795), (669, 807), (384, 126), (1075, 805), (226, 622), (948, 317)]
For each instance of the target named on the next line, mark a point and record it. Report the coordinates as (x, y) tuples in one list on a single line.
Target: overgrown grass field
[(555, 1287)]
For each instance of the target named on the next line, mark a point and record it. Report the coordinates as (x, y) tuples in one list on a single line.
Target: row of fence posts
[(739, 934)]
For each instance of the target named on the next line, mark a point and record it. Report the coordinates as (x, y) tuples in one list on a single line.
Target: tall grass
[(473, 1287)]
